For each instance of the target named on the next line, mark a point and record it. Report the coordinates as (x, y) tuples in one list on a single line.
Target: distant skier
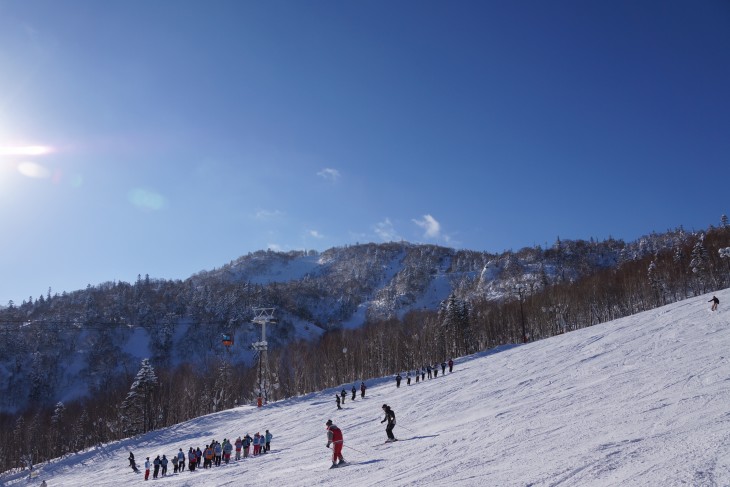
[(397, 380), (435, 370), (227, 449), (192, 460), (418, 376), (429, 371), (239, 445), (344, 395), (268, 436), (147, 469), (337, 398), (334, 437), (354, 392), (175, 461), (408, 378), (163, 463), (362, 389), (714, 302), (390, 418), (247, 440), (180, 461), (443, 368), (451, 366), (423, 373), (156, 465)]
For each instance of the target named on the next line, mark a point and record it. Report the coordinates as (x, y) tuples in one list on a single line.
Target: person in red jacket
[(334, 436)]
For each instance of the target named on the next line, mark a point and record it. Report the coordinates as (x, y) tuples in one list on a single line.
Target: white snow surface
[(640, 401)]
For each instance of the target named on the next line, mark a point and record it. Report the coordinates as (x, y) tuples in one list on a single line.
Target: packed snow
[(643, 400)]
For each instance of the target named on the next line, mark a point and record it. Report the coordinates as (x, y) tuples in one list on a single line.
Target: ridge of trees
[(537, 305)]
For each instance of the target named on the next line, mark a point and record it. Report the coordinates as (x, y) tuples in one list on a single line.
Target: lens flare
[(26, 150)]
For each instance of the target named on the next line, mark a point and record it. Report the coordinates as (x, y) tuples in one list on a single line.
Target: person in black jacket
[(337, 398), (397, 380), (714, 302), (390, 418), (344, 395), (354, 392)]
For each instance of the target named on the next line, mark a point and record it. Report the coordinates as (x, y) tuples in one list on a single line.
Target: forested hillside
[(68, 362)]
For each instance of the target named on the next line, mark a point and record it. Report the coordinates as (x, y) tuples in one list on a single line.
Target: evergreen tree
[(698, 264), (137, 411)]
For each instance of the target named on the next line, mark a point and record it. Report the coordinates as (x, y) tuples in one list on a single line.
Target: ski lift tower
[(262, 316)]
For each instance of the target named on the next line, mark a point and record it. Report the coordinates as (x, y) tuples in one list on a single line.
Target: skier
[(156, 464), (247, 440), (174, 463), (218, 450), (423, 373), (337, 398), (443, 368), (408, 378), (227, 449), (428, 371), (208, 457), (180, 461), (344, 395), (239, 445), (417, 376), (354, 392), (147, 469), (334, 436), (198, 457), (714, 302), (192, 459), (390, 418), (256, 444), (435, 370), (451, 365), (268, 438), (397, 380), (362, 390), (163, 463)]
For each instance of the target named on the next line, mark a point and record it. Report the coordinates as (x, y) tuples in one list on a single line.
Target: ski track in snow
[(640, 401)]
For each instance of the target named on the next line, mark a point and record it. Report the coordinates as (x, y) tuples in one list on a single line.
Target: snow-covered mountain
[(640, 401)]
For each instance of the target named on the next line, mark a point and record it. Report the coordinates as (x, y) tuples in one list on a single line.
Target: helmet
[(385, 406), (329, 422)]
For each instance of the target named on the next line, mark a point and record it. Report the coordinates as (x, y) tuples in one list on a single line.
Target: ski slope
[(640, 401)]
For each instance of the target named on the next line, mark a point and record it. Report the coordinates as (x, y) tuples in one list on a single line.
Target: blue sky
[(168, 137)]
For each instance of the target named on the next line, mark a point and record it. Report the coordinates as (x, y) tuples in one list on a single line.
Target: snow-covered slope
[(643, 400)]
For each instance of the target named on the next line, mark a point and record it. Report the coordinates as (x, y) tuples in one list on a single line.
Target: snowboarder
[(337, 398), (132, 463), (147, 469), (451, 366), (344, 395), (334, 436), (390, 418), (268, 436), (714, 302), (362, 389), (354, 392), (397, 380)]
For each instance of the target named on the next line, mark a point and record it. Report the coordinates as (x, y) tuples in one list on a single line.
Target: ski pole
[(407, 429), (351, 448)]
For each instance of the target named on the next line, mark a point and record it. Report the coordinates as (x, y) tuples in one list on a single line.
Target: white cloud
[(268, 214), (274, 247), (386, 231), (145, 199), (329, 173), (431, 227), (315, 234)]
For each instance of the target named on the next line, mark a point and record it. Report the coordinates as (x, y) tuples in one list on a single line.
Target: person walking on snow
[(451, 366), (714, 302), (334, 437), (390, 418), (337, 398), (443, 368), (362, 389), (397, 380), (408, 378)]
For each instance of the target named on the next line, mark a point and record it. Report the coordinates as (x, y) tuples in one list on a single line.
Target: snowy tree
[(137, 412), (656, 281), (56, 434), (699, 264), (724, 221)]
